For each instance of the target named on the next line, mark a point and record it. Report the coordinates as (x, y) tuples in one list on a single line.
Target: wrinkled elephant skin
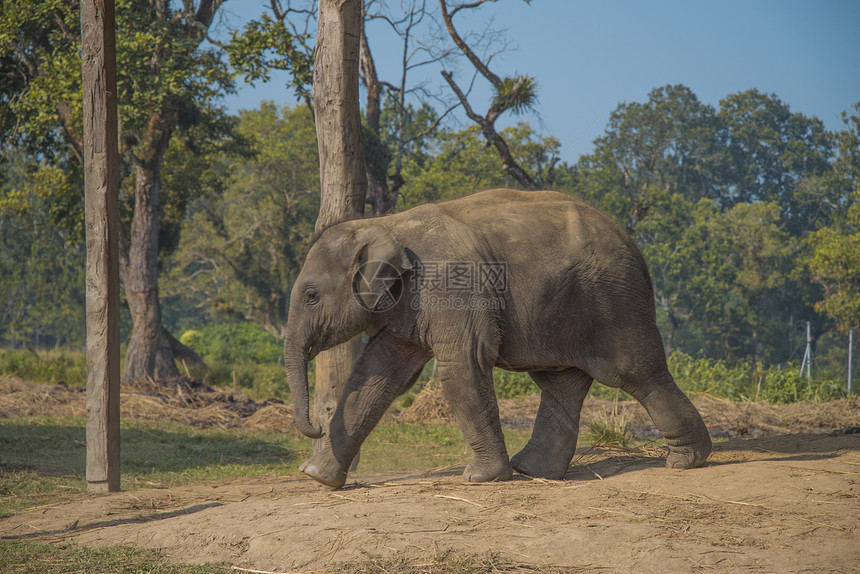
[(525, 281)]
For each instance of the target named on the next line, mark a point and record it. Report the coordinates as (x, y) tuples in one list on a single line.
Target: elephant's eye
[(312, 296)]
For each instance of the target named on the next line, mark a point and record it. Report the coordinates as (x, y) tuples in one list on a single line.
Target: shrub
[(789, 386), (737, 381), (743, 380), (509, 384), (242, 355), (69, 367), (713, 376), (235, 343)]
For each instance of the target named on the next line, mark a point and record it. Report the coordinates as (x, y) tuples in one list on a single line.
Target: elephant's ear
[(378, 263)]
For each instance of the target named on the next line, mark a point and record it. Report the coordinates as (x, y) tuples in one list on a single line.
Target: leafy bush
[(737, 381), (235, 343), (788, 386), (601, 391), (69, 367), (713, 376), (509, 384), (743, 380), (241, 355)]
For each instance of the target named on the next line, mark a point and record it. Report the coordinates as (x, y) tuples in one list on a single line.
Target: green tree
[(282, 40), (166, 80), (668, 144), (243, 247), (835, 260), (719, 201), (458, 163), (720, 275), (769, 152), (41, 271), (835, 265)]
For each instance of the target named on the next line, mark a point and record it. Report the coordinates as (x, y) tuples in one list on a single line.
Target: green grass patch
[(21, 557), (608, 429), (43, 459), (416, 447)]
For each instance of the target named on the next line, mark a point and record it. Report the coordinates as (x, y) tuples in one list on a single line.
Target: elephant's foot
[(537, 462), (488, 471), (324, 468), (689, 456)]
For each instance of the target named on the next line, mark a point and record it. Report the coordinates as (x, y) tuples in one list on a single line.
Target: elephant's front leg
[(385, 370), (469, 391)]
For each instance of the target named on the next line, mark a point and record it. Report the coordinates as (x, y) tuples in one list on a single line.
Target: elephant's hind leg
[(681, 424), (672, 413), (553, 442)]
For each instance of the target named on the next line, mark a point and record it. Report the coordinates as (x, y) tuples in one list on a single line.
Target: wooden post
[(343, 180), (101, 185)]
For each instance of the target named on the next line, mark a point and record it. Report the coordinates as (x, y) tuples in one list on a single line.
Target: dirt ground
[(780, 495)]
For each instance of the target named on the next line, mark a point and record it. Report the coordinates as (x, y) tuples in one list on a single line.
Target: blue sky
[(588, 56)]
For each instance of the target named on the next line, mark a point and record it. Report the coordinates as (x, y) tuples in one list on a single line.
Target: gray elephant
[(525, 281)]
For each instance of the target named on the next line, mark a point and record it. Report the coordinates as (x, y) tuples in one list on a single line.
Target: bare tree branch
[(509, 164), (432, 127), (462, 45), (510, 95)]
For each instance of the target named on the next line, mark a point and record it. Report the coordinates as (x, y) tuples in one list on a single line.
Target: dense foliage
[(748, 213), (741, 254), (736, 380)]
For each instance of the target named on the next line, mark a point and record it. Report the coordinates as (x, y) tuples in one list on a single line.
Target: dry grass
[(188, 401), (429, 407), (608, 427), (183, 400)]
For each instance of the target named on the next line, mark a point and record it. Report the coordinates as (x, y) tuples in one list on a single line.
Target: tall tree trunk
[(150, 353), (343, 182)]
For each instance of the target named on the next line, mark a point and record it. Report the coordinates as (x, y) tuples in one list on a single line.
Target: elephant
[(528, 281)]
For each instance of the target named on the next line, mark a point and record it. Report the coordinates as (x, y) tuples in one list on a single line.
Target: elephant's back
[(546, 239), (538, 227)]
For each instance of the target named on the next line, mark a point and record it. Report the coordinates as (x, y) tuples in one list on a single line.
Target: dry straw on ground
[(190, 401)]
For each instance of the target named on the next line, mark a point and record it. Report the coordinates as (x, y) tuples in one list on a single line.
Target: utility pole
[(807, 356), (101, 204)]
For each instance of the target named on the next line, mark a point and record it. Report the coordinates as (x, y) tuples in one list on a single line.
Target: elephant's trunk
[(296, 363)]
